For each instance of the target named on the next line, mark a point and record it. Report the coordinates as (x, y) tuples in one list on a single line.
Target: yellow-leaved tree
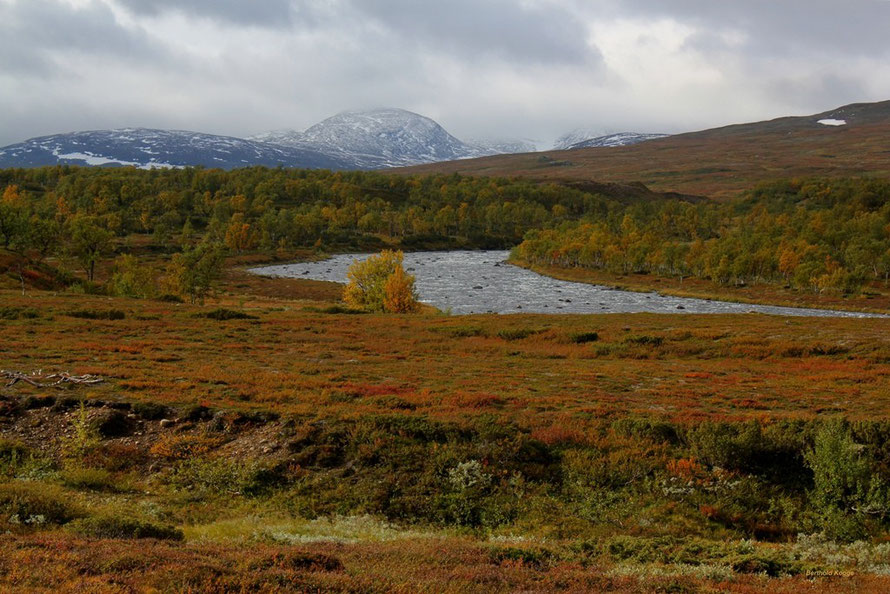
[(380, 283)]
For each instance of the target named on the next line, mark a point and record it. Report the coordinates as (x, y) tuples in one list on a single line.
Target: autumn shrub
[(185, 445), (298, 560), (124, 528), (399, 295), (380, 283), (115, 457)]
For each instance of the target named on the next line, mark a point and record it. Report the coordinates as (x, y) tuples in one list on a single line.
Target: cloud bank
[(482, 68)]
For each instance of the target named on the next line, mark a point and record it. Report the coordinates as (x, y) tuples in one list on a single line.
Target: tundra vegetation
[(254, 434)]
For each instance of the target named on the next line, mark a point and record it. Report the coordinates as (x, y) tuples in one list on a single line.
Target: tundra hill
[(719, 162)]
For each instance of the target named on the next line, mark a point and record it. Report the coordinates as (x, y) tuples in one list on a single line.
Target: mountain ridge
[(371, 139), (717, 162)]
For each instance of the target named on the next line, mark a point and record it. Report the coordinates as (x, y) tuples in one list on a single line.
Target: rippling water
[(466, 282)]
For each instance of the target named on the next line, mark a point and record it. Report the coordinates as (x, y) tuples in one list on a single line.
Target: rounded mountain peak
[(395, 135)]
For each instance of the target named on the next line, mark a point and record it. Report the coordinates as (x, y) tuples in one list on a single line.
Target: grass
[(300, 446)]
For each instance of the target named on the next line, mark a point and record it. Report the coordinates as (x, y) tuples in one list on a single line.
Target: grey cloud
[(469, 28), (790, 26), (33, 32), (265, 13), (820, 91)]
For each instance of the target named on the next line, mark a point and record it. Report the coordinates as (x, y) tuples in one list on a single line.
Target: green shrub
[(34, 402), (517, 333), (221, 476), (112, 423), (465, 331), (14, 313), (847, 487), (13, 455), (222, 314), (772, 451), (124, 528), (28, 503), (649, 429), (335, 309), (97, 314), (584, 337), (90, 479), (150, 411), (645, 340)]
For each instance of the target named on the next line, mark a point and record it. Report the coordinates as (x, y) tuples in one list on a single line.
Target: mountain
[(380, 138), (374, 139), (619, 139), (592, 138), (146, 148), (502, 146), (719, 162), (568, 139)]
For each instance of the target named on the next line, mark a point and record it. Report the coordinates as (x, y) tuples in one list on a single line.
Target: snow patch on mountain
[(501, 146), (591, 137), (832, 122), (619, 139), (147, 148), (578, 135)]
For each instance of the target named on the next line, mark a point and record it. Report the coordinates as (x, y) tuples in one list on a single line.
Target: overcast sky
[(481, 68)]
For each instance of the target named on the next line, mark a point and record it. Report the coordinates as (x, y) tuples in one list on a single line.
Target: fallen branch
[(52, 380)]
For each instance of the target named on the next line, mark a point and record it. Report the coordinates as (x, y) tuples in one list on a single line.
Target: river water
[(467, 282)]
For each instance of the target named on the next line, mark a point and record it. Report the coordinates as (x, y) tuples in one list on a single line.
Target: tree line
[(820, 235)]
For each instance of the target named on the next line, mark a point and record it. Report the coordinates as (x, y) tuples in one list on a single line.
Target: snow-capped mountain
[(389, 137), (589, 137), (503, 146), (619, 139), (146, 148), (377, 138), (374, 139), (578, 135)]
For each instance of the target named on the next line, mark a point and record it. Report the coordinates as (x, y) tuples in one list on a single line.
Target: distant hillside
[(721, 162), (619, 139), (146, 148), (585, 138), (355, 140)]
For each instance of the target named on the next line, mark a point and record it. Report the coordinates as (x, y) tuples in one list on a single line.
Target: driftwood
[(51, 380)]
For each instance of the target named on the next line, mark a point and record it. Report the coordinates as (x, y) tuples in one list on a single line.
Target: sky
[(502, 69)]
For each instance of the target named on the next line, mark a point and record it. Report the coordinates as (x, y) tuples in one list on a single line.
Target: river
[(466, 282)]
